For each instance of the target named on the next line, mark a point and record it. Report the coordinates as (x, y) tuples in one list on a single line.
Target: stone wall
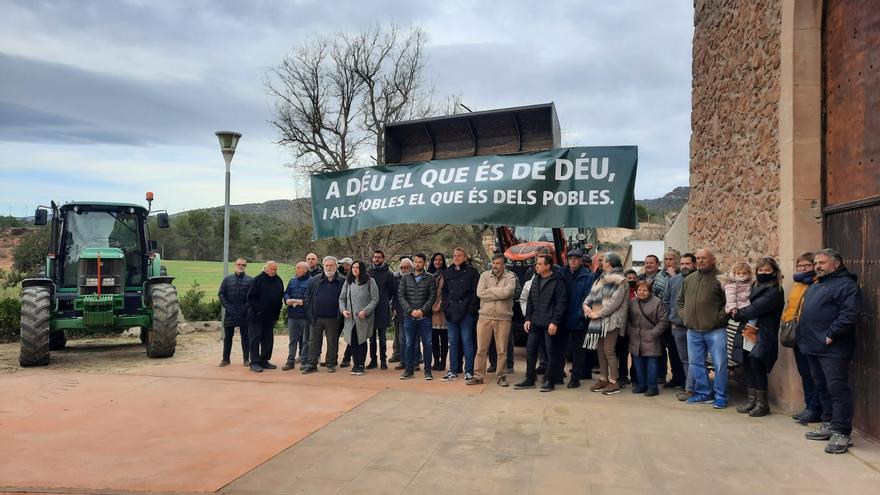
[(734, 200)]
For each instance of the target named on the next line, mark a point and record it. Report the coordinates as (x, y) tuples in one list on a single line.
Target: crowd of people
[(632, 329)]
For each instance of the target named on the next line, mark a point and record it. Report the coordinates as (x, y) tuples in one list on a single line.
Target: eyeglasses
[(805, 266), (241, 264)]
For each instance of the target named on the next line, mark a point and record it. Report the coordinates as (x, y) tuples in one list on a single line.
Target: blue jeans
[(417, 329), (461, 338), (681, 342), (401, 331), (699, 344), (646, 371)]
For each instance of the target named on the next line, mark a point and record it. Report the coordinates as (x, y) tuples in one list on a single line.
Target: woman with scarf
[(606, 309), (803, 278), (758, 348), (439, 334)]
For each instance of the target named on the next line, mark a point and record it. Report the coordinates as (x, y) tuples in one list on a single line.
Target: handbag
[(788, 333)]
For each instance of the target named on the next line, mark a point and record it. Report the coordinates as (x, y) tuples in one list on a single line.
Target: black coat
[(766, 303), (414, 295), (311, 302), (387, 290), (233, 296), (265, 298), (547, 303), (460, 292), (830, 309)]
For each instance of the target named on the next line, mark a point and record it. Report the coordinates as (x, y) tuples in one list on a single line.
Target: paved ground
[(187, 426)]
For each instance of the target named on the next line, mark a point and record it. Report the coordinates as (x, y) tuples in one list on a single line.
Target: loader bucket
[(493, 132)]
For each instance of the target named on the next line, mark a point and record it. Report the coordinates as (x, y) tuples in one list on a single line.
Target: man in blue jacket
[(826, 335), (578, 281), (297, 323)]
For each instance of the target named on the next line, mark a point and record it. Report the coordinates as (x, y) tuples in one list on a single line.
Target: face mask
[(764, 278), (741, 278), (804, 278), (632, 283)]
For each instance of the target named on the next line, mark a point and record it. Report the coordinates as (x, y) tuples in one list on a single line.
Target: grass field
[(209, 274)]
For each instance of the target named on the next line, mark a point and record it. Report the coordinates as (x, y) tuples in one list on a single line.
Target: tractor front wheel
[(161, 338), (35, 302)]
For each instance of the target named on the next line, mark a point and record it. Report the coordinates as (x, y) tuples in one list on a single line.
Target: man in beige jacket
[(495, 290)]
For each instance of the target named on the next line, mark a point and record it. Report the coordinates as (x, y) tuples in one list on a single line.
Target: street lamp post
[(228, 142)]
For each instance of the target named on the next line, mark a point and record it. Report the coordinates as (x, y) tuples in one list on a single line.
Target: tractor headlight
[(108, 281), (91, 282)]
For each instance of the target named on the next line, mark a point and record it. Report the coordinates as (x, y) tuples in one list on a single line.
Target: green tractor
[(102, 274)]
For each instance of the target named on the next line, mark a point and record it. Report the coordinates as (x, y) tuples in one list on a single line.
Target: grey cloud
[(25, 124)]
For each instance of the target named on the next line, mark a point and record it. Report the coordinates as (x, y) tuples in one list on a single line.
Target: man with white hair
[(264, 303), (322, 311), (297, 324)]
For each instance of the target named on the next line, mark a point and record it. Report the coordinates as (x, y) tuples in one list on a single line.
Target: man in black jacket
[(545, 312), (460, 306), (826, 329), (233, 296), (385, 282), (265, 298), (314, 268), (322, 311), (416, 295)]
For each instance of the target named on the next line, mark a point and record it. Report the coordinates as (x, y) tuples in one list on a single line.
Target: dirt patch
[(117, 353), (9, 238)]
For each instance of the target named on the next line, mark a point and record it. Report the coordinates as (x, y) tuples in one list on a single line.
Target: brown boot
[(611, 389), (748, 406), (599, 385), (762, 407)]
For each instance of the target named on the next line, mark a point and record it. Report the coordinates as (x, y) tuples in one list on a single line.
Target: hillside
[(671, 201), (298, 209)]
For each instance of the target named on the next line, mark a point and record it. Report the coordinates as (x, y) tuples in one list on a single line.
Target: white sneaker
[(449, 377), (468, 376)]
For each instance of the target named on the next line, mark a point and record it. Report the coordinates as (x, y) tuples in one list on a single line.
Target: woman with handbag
[(803, 278), (357, 301), (646, 323), (759, 347)]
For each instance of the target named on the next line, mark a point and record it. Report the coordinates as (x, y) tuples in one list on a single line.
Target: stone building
[(784, 151)]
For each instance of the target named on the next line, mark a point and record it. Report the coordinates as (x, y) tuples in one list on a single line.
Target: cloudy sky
[(103, 100)]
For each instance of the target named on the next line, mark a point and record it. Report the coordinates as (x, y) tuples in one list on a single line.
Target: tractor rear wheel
[(35, 302), (162, 335), (57, 340)]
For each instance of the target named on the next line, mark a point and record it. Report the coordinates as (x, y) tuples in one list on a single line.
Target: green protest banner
[(566, 187)]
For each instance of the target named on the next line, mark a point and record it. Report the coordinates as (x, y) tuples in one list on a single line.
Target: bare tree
[(335, 94), (317, 106)]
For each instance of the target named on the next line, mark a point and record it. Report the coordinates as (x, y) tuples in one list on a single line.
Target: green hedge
[(195, 309), (10, 318)]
